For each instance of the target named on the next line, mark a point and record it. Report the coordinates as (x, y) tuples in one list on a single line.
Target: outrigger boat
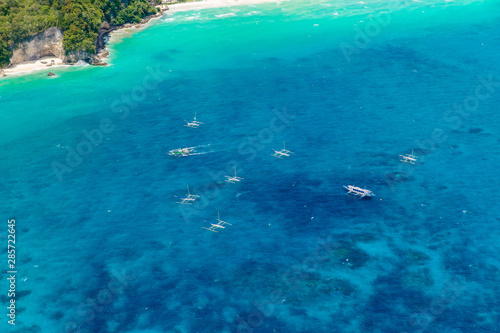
[(282, 152), (358, 191), (194, 123), (234, 179), (409, 158), (188, 199), (181, 152), (214, 227)]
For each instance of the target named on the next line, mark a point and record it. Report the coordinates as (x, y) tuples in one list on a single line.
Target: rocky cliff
[(46, 44), (49, 44)]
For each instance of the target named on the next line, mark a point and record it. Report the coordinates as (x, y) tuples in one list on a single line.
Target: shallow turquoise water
[(103, 246)]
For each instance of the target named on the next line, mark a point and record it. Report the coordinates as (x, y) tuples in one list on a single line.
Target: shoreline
[(206, 4), (36, 65), (103, 54)]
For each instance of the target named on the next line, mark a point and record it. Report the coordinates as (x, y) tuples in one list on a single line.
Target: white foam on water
[(225, 15)]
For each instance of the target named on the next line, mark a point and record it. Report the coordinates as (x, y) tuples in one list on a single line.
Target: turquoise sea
[(102, 245)]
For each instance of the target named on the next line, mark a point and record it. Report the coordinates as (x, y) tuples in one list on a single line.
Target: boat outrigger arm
[(358, 192), (234, 179), (282, 152), (194, 123), (214, 227), (409, 158), (188, 199)]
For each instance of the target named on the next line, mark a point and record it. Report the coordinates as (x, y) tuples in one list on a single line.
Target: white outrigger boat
[(235, 179), (188, 199), (181, 152), (193, 124), (214, 227), (359, 192), (282, 152), (409, 158)]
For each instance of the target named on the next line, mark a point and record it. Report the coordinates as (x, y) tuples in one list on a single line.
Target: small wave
[(192, 18), (225, 15), (252, 13), (81, 63)]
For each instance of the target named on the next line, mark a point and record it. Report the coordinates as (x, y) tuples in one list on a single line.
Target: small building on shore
[(163, 6)]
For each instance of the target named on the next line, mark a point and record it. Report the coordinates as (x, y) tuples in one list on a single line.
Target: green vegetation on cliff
[(78, 19)]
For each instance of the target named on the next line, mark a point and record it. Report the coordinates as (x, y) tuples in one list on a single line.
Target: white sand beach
[(28, 67), (172, 8), (185, 6)]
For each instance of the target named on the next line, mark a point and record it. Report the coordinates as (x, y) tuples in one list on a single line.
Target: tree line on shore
[(79, 20)]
